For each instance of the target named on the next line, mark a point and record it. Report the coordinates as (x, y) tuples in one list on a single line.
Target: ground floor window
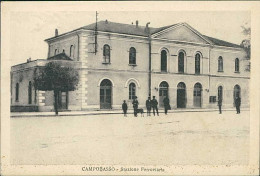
[(132, 91)]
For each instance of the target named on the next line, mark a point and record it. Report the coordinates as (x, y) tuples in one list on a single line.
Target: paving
[(177, 138)]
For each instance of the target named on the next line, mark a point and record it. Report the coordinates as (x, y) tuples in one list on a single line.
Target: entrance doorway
[(106, 94), (62, 100), (197, 94), (181, 95), (163, 92)]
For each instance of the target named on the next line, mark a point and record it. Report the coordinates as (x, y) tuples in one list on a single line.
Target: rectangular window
[(212, 99)]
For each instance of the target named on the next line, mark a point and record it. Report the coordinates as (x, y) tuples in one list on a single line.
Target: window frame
[(30, 93), (220, 64), (132, 56), (166, 60), (131, 91), (197, 63), (17, 87), (106, 54), (237, 66), (183, 64)]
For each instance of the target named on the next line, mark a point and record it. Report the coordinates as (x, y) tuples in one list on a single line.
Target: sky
[(29, 29)]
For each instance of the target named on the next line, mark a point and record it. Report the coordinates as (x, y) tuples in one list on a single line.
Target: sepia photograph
[(89, 88)]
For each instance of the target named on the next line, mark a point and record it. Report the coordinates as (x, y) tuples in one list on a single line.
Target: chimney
[(29, 60), (56, 32), (147, 27), (106, 22), (136, 23)]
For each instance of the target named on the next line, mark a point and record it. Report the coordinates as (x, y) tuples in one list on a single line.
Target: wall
[(64, 43)]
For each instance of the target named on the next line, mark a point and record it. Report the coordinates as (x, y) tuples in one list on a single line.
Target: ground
[(178, 138)]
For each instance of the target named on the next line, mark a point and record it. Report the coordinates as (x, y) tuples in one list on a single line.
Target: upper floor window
[(220, 64), (30, 93), (132, 91), (17, 92), (197, 63), (237, 65), (106, 54), (132, 56), (71, 51), (181, 62), (163, 61)]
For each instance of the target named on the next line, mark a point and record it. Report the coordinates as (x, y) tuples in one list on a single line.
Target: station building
[(119, 61)]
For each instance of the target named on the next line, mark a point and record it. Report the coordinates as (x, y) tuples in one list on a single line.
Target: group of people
[(150, 104), (237, 104), (153, 104)]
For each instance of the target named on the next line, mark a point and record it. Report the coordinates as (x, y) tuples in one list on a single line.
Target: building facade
[(118, 61)]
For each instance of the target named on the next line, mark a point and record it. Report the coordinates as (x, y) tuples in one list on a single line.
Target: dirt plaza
[(185, 138)]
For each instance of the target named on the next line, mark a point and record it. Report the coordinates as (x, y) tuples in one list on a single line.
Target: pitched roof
[(131, 29), (107, 26), (221, 42), (61, 56)]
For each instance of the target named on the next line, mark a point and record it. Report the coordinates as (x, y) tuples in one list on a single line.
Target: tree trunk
[(56, 101)]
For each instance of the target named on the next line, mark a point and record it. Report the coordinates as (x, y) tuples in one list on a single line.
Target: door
[(63, 100), (106, 94), (181, 95), (163, 92), (197, 95)]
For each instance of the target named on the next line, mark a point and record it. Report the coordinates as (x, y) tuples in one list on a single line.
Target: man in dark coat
[(154, 106), (148, 106), (166, 103), (238, 103), (219, 105), (135, 105), (124, 107)]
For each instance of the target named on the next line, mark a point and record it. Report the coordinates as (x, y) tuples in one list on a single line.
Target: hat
[(153, 96)]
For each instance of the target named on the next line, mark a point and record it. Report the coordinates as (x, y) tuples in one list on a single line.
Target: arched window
[(132, 56), (132, 91), (197, 63), (237, 65), (71, 51), (17, 92), (63, 51), (30, 93), (181, 62), (220, 92), (197, 95), (220, 64), (163, 61), (106, 54), (55, 52)]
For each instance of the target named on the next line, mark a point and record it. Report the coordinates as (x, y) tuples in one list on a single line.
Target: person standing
[(124, 107), (219, 105), (135, 105), (155, 106), (148, 106), (238, 103), (166, 103)]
